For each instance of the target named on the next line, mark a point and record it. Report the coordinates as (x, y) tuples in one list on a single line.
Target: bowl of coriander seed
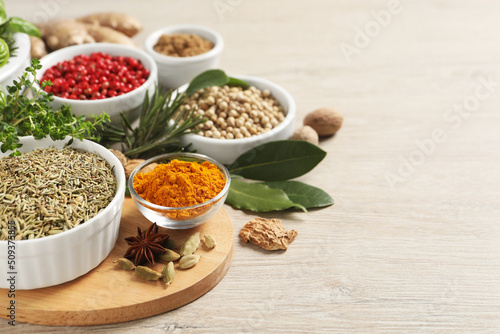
[(239, 118), (60, 210)]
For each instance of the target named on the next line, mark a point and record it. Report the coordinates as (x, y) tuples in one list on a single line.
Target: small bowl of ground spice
[(183, 190), (182, 52)]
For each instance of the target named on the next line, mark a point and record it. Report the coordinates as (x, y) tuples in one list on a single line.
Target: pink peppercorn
[(95, 76)]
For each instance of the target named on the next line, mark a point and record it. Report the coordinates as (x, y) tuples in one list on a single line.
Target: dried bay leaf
[(278, 160), (234, 82), (211, 78), (207, 79), (303, 194), (258, 197)]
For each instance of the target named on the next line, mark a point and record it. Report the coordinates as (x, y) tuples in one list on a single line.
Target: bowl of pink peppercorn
[(99, 77)]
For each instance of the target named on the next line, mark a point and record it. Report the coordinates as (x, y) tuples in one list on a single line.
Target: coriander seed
[(235, 113)]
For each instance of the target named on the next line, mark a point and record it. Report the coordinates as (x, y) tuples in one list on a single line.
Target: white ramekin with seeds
[(264, 112)]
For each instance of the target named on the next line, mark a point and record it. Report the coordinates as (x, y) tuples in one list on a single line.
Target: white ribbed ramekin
[(59, 258)]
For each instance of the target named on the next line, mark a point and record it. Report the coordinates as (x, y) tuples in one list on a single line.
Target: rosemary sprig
[(161, 123)]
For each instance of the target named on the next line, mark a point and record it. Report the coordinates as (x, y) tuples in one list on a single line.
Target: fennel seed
[(49, 191)]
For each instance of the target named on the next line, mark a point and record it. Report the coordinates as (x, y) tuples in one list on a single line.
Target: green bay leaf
[(306, 195), (258, 197), (235, 82), (17, 24), (278, 160), (207, 79)]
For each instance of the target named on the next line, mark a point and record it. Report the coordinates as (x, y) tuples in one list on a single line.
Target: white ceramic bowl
[(227, 150), (130, 103), (176, 71), (17, 63), (65, 256), (171, 217)]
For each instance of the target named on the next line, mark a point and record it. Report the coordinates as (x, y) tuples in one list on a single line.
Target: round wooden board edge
[(136, 311), (152, 307)]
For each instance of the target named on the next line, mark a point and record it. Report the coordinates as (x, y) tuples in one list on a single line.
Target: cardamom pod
[(168, 273), (190, 245), (169, 255), (125, 264), (188, 261), (209, 241), (147, 273)]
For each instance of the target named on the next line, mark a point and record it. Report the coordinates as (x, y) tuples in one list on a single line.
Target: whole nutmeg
[(326, 121), (306, 133)]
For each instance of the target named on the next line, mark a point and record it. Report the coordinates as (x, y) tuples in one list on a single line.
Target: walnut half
[(267, 233)]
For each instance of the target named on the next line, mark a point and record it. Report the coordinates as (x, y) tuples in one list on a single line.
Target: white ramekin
[(59, 258), (129, 103), (227, 150), (176, 71)]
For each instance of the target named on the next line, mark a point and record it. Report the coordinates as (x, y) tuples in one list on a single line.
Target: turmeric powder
[(180, 183)]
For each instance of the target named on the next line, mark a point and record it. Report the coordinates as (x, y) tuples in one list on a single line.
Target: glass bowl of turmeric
[(179, 190)]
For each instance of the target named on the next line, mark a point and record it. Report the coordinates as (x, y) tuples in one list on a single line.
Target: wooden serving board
[(108, 294)]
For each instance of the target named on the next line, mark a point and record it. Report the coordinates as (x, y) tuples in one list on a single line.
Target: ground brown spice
[(182, 45)]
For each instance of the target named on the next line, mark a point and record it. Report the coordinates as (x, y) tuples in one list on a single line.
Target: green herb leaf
[(161, 123), (237, 83), (258, 197), (17, 24), (211, 78), (4, 52), (278, 160), (3, 14), (3, 99), (23, 115), (303, 194), (207, 79)]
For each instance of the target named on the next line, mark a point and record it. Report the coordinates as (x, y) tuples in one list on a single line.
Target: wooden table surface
[(412, 244)]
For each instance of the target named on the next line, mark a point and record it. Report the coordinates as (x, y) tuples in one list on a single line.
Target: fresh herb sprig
[(22, 115), (161, 123), (163, 120)]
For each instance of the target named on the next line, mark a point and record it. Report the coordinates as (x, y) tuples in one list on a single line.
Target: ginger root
[(119, 154), (133, 163), (107, 35), (38, 48), (124, 23), (130, 164), (267, 233), (60, 34), (95, 28)]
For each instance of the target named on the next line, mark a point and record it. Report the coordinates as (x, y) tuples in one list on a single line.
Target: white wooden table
[(412, 244)]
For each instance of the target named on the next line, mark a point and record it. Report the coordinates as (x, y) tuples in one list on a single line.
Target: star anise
[(146, 245)]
